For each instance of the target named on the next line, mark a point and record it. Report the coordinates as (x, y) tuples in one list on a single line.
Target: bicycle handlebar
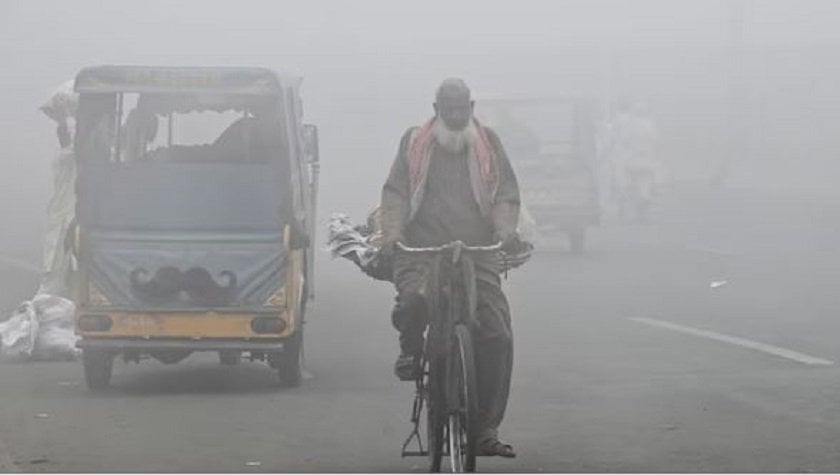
[(452, 245)]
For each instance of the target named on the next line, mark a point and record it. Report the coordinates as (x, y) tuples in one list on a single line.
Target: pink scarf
[(484, 175)]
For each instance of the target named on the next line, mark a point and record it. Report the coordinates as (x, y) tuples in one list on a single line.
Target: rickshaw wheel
[(98, 367), (287, 362)]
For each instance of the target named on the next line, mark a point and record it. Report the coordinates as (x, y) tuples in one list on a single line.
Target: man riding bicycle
[(452, 181)]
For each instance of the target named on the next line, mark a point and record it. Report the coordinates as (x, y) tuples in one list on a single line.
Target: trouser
[(492, 336)]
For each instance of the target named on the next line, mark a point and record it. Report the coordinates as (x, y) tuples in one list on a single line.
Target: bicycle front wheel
[(462, 420), (436, 413)]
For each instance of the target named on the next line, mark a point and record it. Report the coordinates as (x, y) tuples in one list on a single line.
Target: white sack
[(18, 333)]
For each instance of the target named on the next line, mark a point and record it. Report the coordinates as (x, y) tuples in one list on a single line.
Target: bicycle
[(446, 386)]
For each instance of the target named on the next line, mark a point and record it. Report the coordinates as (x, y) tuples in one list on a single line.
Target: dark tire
[(288, 362), (577, 240), (98, 368), (435, 416), (463, 423)]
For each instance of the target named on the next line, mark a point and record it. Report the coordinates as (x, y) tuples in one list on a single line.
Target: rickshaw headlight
[(268, 325), (95, 323)]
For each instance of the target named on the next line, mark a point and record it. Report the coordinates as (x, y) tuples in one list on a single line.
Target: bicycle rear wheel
[(462, 416)]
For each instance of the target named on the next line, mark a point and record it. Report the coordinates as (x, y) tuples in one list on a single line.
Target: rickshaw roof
[(185, 80)]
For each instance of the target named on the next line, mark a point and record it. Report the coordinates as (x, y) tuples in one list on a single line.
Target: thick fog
[(370, 69), (741, 245)]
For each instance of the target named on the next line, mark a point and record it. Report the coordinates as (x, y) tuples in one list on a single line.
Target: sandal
[(406, 368), (495, 447)]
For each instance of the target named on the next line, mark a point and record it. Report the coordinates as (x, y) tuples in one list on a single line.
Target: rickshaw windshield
[(184, 128), (183, 162)]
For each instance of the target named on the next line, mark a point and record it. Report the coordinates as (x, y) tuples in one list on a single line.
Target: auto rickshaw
[(551, 144), (195, 216)]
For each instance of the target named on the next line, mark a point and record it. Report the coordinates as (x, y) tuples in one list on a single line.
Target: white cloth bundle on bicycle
[(359, 244), (346, 240)]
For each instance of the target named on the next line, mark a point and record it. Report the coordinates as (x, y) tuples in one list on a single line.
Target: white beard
[(453, 141)]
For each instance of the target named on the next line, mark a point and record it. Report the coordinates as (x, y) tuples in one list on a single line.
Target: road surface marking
[(734, 340)]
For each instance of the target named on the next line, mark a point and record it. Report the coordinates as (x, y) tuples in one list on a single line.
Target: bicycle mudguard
[(437, 344), (471, 291)]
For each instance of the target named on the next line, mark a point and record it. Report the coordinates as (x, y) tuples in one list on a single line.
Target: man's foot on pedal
[(406, 367)]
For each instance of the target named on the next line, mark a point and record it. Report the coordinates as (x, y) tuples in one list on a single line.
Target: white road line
[(734, 340)]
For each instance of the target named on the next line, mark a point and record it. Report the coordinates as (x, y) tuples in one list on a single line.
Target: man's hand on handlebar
[(511, 244)]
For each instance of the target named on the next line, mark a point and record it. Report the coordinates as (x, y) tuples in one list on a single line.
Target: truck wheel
[(98, 368), (287, 362), (577, 240)]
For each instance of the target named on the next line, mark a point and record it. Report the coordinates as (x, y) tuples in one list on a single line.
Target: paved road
[(627, 360)]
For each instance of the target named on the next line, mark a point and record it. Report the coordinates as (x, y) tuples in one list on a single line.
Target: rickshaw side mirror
[(310, 143)]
